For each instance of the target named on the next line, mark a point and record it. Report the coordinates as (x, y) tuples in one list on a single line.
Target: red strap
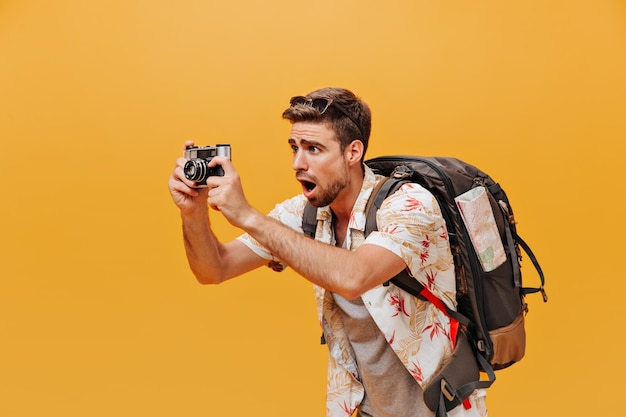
[(454, 324)]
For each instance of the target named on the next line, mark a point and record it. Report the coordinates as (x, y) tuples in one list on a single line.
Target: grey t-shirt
[(390, 390)]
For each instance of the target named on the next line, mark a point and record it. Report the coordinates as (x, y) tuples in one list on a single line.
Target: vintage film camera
[(197, 165)]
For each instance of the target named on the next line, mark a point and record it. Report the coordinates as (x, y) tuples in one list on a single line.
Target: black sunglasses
[(321, 105)]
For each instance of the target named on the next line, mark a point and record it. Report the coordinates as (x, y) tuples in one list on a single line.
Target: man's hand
[(226, 194), (188, 199)]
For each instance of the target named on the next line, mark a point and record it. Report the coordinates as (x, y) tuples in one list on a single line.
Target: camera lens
[(196, 170)]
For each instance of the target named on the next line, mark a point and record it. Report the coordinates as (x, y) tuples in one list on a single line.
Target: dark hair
[(340, 123)]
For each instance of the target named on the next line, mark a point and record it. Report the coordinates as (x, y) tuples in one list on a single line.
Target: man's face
[(318, 161)]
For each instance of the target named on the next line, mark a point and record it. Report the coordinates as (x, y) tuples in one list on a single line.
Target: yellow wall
[(99, 314)]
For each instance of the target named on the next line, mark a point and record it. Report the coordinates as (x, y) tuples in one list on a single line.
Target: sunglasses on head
[(321, 105)]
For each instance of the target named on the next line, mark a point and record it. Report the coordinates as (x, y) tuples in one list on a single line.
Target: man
[(384, 344)]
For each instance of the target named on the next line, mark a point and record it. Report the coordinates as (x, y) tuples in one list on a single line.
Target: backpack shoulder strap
[(381, 191), (309, 220)]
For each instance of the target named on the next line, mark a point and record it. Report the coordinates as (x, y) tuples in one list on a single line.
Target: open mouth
[(307, 186)]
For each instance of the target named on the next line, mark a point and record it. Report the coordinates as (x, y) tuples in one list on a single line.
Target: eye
[(294, 148), (313, 149)]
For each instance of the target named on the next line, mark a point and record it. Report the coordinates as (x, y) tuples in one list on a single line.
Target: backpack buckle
[(401, 172), (447, 390)]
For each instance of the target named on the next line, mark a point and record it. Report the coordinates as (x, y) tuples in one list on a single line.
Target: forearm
[(202, 248), (335, 269)]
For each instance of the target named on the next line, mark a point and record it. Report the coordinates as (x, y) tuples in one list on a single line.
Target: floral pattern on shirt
[(411, 226)]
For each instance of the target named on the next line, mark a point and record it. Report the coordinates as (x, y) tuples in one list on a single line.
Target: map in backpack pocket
[(481, 225)]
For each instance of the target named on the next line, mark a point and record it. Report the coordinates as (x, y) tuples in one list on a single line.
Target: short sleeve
[(410, 225), (289, 213)]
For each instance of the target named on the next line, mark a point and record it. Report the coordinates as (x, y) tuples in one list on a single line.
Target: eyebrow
[(307, 142)]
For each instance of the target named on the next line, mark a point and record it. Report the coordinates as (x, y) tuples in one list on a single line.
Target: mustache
[(304, 177)]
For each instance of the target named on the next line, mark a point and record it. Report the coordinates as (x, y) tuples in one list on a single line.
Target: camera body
[(197, 165)]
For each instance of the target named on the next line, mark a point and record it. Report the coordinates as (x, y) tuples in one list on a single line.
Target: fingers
[(188, 143), (225, 163), (179, 184), (176, 185), (179, 173)]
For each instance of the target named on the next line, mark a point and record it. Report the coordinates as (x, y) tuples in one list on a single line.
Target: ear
[(354, 152)]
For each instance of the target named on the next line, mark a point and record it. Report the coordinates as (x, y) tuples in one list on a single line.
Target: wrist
[(250, 221), (195, 213)]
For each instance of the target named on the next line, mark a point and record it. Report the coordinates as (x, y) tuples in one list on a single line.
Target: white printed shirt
[(411, 226)]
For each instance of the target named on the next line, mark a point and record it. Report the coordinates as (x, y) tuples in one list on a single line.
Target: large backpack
[(490, 301)]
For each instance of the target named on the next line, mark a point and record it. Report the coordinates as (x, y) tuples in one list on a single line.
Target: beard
[(327, 194)]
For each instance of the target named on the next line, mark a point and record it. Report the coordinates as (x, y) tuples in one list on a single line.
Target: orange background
[(99, 314)]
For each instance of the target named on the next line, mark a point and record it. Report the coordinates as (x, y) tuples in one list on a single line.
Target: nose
[(299, 162)]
